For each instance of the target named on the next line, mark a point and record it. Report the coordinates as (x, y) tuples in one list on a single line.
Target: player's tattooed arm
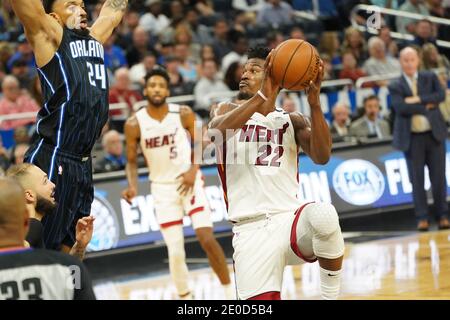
[(110, 17)]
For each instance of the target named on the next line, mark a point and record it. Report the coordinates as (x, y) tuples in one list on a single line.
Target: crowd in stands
[(203, 45)]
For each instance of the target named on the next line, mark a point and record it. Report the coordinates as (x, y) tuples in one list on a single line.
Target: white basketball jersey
[(260, 171), (165, 145)]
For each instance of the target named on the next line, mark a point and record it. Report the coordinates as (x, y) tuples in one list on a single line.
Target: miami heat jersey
[(165, 145), (259, 173)]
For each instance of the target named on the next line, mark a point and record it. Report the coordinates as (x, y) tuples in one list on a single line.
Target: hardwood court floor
[(409, 267)]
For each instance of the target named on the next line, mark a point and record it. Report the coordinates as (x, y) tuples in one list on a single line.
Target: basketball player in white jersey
[(258, 167), (177, 184)]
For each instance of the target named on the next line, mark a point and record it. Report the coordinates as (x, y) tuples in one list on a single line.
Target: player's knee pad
[(322, 218)]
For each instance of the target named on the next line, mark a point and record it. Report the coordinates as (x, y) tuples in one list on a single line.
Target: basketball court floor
[(401, 265)]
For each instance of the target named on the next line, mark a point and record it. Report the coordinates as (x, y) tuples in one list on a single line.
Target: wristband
[(262, 95)]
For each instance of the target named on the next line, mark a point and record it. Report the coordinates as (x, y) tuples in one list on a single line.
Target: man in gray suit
[(420, 132), (370, 125)]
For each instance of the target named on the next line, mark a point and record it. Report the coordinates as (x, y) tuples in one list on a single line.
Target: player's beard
[(157, 103), (244, 95), (45, 206)]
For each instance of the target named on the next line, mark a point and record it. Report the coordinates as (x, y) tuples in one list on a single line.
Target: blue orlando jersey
[(75, 89)]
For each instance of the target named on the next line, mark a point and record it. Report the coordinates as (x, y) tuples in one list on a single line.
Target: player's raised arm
[(313, 136), (132, 136), (110, 16), (43, 31)]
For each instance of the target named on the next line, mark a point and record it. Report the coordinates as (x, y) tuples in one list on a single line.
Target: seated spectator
[(24, 52), (125, 30), (208, 83), (288, 104), (424, 33), (207, 53), (379, 63), (248, 5), (187, 66), (18, 153), (177, 86), (23, 73), (349, 68), (14, 101), (138, 71), (324, 10), (221, 43), (341, 122), (121, 92), (114, 55), (233, 76), (329, 44), (4, 157), (354, 42), (274, 38), (407, 25), (275, 13), (114, 159), (49, 272), (297, 33), (239, 53), (183, 35), (391, 46), (200, 32), (154, 20), (371, 125), (140, 47), (431, 60)]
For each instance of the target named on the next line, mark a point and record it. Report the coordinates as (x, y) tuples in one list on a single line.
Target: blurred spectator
[(379, 63), (354, 42), (14, 101), (324, 10), (138, 71), (140, 47), (431, 59), (176, 10), (391, 46), (21, 135), (22, 72), (371, 125), (121, 92), (233, 75), (349, 68), (24, 52), (177, 86), (297, 33), (114, 159), (341, 122), (239, 54), (275, 13), (125, 30), (207, 52), (6, 53), (207, 84), (18, 153), (437, 9), (114, 55), (420, 132), (167, 48), (2, 172), (36, 91), (187, 67), (154, 20), (407, 25), (205, 7), (274, 38), (10, 26), (4, 158), (183, 35), (288, 104), (329, 44), (221, 43), (248, 5), (423, 33), (200, 33), (327, 67)]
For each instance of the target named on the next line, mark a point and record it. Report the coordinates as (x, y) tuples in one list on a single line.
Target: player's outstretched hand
[(128, 194), (84, 231), (313, 91), (187, 181)]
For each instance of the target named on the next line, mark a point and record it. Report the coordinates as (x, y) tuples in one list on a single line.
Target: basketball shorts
[(74, 192), (262, 248), (170, 206)]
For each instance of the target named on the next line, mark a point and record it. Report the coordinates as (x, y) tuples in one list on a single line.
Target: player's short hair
[(19, 172), (48, 5), (258, 52), (157, 71)]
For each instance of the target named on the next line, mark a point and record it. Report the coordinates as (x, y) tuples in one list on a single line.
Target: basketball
[(295, 64)]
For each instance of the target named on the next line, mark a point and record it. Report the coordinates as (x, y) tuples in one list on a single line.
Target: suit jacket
[(360, 128), (429, 91)]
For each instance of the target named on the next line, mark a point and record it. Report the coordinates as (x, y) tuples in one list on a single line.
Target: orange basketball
[(295, 64)]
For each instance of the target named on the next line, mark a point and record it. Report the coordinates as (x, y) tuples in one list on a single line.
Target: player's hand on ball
[(270, 88), (313, 90), (128, 194), (187, 181), (84, 231)]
